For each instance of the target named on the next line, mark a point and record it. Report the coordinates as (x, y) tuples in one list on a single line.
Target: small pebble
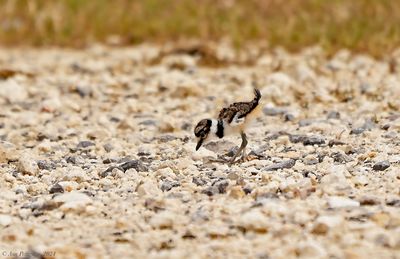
[(381, 166), (337, 202), (282, 165), (57, 188), (85, 144)]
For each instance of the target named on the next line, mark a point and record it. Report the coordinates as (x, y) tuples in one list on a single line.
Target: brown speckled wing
[(240, 109)]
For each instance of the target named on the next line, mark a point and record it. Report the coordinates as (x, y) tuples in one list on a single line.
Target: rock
[(75, 174), (148, 122), (335, 142), (254, 220), (183, 92), (219, 146), (179, 61), (57, 188), (233, 176), (154, 204), (282, 165), (393, 202), (46, 165), (166, 127), (247, 190), (385, 126), (311, 249), (338, 202), (8, 152), (390, 135), (98, 134), (72, 197), (288, 117), (272, 111), (289, 184), (148, 188), (73, 201), (340, 157), (218, 231), (168, 185), (307, 140), (72, 105), (108, 147), (75, 160), (311, 160), (51, 105), (49, 205), (368, 125), (20, 189), (232, 151), (106, 183), (382, 219), (381, 166), (369, 200), (333, 115), (85, 144), (221, 185), (325, 223), (210, 191), (109, 161), (12, 91), (27, 164), (165, 173), (83, 91), (37, 188), (166, 138), (357, 131), (5, 220), (135, 164), (199, 181), (306, 122), (163, 220), (68, 186), (313, 140), (237, 192)]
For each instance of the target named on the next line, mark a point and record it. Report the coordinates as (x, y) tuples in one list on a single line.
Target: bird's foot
[(237, 161), (243, 159), (231, 162), (216, 160)]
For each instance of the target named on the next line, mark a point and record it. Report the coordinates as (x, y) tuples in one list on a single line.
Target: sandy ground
[(97, 155)]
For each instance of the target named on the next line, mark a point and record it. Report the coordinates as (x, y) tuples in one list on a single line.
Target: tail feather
[(257, 97)]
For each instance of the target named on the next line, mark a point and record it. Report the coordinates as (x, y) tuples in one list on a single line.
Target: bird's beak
[(199, 143)]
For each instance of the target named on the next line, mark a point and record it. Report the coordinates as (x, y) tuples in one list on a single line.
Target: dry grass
[(362, 25)]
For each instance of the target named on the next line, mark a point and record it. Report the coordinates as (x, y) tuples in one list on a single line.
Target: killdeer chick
[(232, 119)]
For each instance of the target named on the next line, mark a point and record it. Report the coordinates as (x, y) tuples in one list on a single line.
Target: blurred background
[(371, 26)]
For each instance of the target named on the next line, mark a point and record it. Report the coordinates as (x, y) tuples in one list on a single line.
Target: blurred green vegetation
[(371, 26)]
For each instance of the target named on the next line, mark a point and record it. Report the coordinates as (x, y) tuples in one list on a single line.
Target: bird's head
[(202, 131)]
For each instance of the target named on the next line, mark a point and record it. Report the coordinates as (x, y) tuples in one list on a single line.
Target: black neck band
[(220, 129)]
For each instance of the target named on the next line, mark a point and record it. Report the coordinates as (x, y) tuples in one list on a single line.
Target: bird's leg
[(241, 148), (244, 155), (244, 143)]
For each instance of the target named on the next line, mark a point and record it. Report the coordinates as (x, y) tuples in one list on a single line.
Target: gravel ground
[(97, 155)]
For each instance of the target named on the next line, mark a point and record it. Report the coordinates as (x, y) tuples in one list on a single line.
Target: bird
[(233, 119)]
